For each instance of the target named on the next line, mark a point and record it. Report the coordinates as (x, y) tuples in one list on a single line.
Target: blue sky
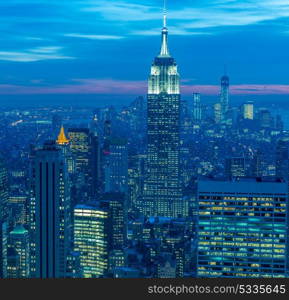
[(107, 46)]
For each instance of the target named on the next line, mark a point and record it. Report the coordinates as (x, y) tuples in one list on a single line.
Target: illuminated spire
[(164, 48), (62, 140)]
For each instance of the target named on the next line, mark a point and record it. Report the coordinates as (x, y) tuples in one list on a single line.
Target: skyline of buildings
[(162, 188)]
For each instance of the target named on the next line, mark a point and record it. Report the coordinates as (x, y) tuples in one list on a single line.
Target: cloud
[(34, 54), (93, 36), (209, 14), (126, 87)]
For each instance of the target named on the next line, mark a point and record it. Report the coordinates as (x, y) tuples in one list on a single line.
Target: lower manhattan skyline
[(145, 139)]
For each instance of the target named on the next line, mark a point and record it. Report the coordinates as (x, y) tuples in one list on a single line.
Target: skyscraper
[(162, 192), (3, 218), (282, 158), (217, 112), (85, 148), (248, 110), (91, 239), (116, 169), (197, 107), (51, 212), (115, 204), (242, 228), (224, 97)]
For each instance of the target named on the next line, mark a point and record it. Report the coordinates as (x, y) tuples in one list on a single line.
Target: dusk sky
[(106, 46)]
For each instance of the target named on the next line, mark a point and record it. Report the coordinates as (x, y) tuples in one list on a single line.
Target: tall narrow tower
[(162, 192), (225, 86)]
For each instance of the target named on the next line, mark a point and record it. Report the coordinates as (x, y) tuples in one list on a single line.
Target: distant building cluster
[(163, 188)]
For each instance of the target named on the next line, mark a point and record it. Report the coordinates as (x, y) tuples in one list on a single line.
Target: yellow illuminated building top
[(62, 139)]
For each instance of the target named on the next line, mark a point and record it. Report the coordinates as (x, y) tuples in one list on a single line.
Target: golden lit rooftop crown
[(62, 139)]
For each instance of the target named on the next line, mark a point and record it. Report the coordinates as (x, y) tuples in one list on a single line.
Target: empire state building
[(162, 191)]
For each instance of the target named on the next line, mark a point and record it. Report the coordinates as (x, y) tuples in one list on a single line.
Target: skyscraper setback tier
[(162, 192)]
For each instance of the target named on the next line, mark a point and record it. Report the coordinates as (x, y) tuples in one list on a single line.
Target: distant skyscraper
[(85, 149), (19, 241), (282, 158), (80, 147), (51, 212), (217, 113), (162, 192), (248, 111), (265, 118), (91, 239), (224, 97), (116, 169), (197, 107), (3, 218), (242, 229)]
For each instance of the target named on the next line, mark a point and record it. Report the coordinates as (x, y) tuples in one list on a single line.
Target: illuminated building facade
[(242, 229), (19, 241), (248, 111), (91, 239), (162, 192), (116, 169), (197, 107), (218, 113)]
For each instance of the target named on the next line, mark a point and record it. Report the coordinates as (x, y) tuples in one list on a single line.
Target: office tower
[(224, 97), (162, 192), (116, 169), (235, 167), (85, 148), (19, 240), (282, 158), (91, 239), (248, 111), (115, 204), (3, 218), (242, 229), (265, 118), (49, 213), (217, 113), (197, 107), (80, 147)]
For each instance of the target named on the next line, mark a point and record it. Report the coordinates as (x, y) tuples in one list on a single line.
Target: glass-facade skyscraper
[(242, 229), (162, 192), (91, 239)]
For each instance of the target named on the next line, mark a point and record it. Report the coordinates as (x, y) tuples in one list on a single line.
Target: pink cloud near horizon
[(126, 87)]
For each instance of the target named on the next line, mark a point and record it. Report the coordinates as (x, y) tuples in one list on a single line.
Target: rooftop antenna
[(165, 13)]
